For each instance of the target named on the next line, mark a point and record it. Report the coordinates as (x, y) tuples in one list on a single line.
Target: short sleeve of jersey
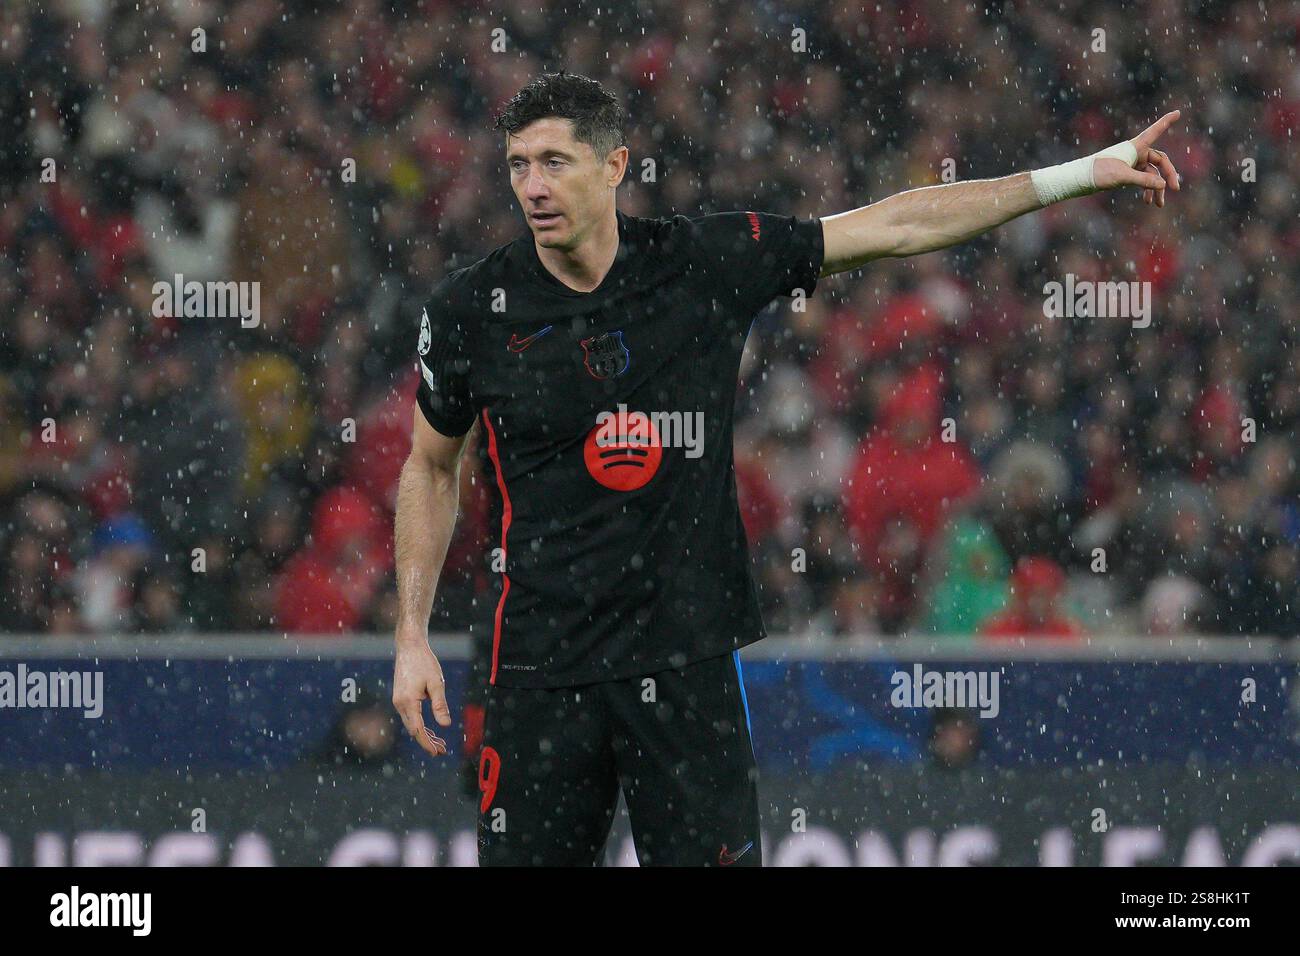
[(757, 256), (443, 395)]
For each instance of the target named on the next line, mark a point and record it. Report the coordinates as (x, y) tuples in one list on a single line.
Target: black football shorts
[(676, 742)]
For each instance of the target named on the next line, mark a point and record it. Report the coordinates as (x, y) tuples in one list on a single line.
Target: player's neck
[(584, 267)]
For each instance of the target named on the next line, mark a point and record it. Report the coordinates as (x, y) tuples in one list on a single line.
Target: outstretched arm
[(935, 217)]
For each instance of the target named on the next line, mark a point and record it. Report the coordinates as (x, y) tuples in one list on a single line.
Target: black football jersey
[(607, 417)]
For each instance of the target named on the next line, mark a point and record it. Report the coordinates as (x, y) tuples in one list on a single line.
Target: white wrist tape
[(1075, 177)]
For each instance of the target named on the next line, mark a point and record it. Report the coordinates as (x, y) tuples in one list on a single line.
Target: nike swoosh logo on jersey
[(516, 344), (726, 859)]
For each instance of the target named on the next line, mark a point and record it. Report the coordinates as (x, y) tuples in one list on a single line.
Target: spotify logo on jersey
[(623, 451)]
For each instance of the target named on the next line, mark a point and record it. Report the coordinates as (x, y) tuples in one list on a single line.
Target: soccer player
[(599, 354)]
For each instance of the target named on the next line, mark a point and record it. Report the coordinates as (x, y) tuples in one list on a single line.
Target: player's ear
[(616, 165)]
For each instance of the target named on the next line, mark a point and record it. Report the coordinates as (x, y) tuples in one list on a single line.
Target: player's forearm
[(427, 502), (923, 220), (935, 217)]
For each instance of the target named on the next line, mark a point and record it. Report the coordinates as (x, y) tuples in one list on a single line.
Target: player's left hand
[(1153, 170)]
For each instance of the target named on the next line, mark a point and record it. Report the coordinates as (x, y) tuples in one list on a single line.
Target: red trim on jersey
[(505, 528)]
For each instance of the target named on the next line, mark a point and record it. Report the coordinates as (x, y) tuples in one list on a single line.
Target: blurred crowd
[(923, 449)]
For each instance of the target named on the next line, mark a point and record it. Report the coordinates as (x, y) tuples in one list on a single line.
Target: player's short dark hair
[(595, 112)]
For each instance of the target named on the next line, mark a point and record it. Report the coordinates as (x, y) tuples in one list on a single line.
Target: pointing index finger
[(1156, 129)]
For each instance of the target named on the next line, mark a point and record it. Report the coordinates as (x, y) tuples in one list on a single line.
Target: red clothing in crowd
[(327, 586), (1012, 623), (1039, 580), (918, 481)]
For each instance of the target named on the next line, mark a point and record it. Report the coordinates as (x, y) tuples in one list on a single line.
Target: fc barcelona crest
[(605, 355)]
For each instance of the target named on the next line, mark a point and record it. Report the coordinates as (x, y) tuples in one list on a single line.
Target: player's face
[(562, 186)]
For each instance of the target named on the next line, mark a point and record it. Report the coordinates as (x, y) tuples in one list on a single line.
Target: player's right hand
[(417, 676)]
